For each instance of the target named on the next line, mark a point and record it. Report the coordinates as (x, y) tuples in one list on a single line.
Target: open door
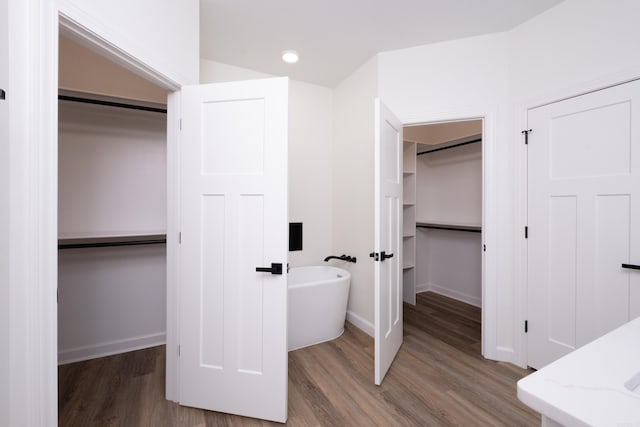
[(388, 239), (233, 251)]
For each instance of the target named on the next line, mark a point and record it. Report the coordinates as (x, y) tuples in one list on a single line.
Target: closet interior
[(112, 150), (442, 211)]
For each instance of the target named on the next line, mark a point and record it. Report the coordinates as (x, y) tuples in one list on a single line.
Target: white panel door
[(233, 319), (388, 239), (584, 219)]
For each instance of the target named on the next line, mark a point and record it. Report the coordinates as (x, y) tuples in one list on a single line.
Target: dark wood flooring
[(438, 378)]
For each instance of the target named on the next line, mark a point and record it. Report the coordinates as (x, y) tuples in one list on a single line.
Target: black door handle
[(631, 266), (274, 269), (384, 256)]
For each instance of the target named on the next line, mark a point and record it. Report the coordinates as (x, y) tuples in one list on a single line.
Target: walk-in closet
[(111, 208), (443, 199)]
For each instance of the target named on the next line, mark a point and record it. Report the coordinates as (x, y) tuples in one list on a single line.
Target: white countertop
[(587, 386)]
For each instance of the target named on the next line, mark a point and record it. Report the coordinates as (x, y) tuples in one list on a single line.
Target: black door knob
[(384, 256), (274, 269)]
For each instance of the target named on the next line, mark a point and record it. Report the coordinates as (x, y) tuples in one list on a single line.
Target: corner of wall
[(218, 72), (353, 185)]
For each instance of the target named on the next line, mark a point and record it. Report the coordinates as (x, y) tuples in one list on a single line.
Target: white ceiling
[(334, 37)]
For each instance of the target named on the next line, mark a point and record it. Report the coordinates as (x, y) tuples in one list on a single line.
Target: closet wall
[(449, 193), (112, 182)]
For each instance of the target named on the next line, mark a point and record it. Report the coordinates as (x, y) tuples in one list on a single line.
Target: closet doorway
[(443, 217), (112, 219)]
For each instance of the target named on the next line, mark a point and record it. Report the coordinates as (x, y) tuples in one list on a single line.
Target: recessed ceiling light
[(290, 56)]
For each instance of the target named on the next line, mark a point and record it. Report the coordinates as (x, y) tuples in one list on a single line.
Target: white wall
[(445, 79), (449, 186), (83, 70), (4, 218), (310, 171), (577, 43), (112, 171), (353, 186), (310, 157), (459, 79), (449, 263), (163, 35), (217, 72), (112, 300), (449, 190)]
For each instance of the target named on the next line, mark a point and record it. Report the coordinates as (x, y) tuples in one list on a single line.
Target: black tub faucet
[(342, 257)]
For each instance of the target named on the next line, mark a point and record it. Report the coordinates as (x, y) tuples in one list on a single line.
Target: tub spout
[(342, 257)]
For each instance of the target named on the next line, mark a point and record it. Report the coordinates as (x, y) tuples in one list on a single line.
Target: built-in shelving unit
[(409, 223)]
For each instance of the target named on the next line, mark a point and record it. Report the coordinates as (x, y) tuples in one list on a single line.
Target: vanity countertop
[(593, 385)]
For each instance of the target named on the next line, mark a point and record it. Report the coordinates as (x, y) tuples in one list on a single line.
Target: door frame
[(33, 349), (489, 219), (521, 188)]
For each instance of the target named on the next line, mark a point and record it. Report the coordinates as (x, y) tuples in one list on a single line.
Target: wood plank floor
[(438, 378)]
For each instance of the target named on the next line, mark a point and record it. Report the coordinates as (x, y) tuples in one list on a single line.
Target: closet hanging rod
[(82, 245), (467, 228), (451, 146), (111, 104)]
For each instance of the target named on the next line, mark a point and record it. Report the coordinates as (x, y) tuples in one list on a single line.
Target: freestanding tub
[(317, 304)]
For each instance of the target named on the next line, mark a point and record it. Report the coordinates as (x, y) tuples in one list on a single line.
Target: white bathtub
[(317, 304)]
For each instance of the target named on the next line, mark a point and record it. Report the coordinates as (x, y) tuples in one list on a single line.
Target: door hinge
[(180, 123), (178, 350), (180, 237), (375, 256), (484, 248), (526, 135), (526, 326), (3, 94), (526, 232)]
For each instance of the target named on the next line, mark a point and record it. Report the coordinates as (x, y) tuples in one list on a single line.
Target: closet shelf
[(407, 236), (408, 266), (447, 147), (453, 227), (102, 242)]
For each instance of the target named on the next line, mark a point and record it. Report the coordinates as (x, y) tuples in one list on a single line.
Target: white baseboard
[(422, 288), (432, 287), (109, 348), (361, 323)]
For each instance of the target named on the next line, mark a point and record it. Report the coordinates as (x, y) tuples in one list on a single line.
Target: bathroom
[(504, 73)]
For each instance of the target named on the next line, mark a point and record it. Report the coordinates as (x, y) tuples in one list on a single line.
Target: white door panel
[(233, 319), (388, 239), (584, 219)]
